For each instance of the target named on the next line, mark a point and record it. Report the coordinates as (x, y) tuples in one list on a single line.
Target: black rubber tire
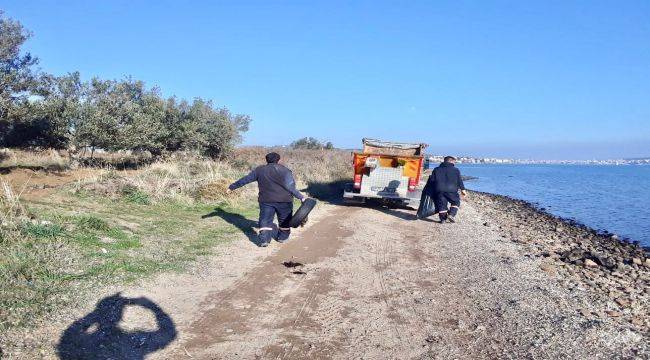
[(303, 211)]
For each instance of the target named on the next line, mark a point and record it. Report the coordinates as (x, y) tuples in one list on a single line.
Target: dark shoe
[(442, 221), (264, 244), (451, 219)]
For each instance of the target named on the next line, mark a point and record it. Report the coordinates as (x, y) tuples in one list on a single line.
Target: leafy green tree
[(139, 117), (311, 143), (61, 110), (17, 78), (223, 130), (98, 125), (38, 110), (174, 121), (18, 81)]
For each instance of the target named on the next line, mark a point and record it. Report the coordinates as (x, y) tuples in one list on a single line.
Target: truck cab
[(387, 171)]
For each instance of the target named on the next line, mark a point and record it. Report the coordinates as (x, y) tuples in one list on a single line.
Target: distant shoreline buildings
[(486, 160)]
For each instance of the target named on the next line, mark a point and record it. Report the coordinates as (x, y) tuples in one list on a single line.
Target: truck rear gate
[(388, 171)]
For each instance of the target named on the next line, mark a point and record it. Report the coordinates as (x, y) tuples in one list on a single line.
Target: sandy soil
[(374, 284), (35, 184), (357, 282)]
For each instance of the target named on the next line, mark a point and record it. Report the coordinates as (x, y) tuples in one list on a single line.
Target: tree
[(17, 81), (61, 110), (98, 125), (16, 76), (311, 143), (139, 117), (39, 110)]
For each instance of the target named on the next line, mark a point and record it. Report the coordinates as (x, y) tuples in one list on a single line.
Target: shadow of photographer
[(99, 336)]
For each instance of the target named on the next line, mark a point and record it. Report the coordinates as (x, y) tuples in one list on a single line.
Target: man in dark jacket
[(444, 183), (277, 188)]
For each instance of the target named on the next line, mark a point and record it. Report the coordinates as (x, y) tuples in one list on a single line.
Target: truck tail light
[(357, 181), (412, 184)]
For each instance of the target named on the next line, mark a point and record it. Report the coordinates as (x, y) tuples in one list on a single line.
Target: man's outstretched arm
[(290, 185), (252, 176)]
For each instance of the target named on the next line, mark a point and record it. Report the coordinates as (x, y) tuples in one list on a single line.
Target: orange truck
[(386, 171)]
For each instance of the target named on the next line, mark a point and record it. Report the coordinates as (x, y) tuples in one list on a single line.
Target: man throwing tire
[(277, 188), (445, 181)]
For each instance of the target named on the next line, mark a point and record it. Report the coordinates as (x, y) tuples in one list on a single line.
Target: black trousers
[(442, 201), (268, 211)]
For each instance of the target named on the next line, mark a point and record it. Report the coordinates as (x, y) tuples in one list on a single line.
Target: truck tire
[(303, 211)]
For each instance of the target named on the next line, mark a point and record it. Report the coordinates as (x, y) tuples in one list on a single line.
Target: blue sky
[(545, 79)]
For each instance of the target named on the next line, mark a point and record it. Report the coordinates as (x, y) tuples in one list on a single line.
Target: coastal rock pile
[(615, 272)]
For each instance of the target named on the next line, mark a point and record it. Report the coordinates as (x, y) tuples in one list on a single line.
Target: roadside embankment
[(614, 272), (68, 234)]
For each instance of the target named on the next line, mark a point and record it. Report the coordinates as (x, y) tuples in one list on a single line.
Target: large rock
[(549, 268), (590, 263)]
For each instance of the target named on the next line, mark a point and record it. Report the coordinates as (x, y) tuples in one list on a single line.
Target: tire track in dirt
[(378, 286), (271, 303)]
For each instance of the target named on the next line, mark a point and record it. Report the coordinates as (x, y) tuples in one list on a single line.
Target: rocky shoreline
[(615, 272)]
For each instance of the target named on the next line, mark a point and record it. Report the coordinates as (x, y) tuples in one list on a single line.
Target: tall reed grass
[(190, 179)]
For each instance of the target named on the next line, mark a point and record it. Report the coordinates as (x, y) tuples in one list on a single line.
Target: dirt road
[(376, 284)]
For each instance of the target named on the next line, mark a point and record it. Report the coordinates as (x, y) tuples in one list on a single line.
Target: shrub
[(92, 222), (311, 144), (42, 230), (136, 196), (44, 111)]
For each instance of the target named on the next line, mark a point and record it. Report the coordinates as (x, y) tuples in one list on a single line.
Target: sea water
[(604, 197)]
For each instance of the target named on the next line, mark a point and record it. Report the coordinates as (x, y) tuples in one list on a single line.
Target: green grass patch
[(91, 222), (42, 230), (135, 196), (46, 266)]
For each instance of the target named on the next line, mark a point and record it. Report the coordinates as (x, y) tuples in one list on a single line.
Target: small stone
[(613, 313), (614, 237), (548, 268), (585, 312), (637, 261), (622, 302), (590, 263), (486, 224), (647, 262), (637, 321), (628, 290), (104, 251)]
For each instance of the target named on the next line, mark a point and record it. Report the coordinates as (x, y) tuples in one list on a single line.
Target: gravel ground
[(614, 273), (506, 281), (377, 284)]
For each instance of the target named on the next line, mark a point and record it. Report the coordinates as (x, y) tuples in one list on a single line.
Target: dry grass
[(54, 250), (190, 179), (185, 181), (307, 165), (10, 206), (29, 266), (46, 159), (320, 172)]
